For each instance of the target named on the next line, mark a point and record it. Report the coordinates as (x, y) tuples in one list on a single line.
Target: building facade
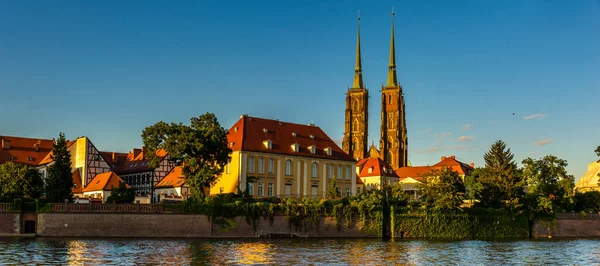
[(589, 181), (374, 172), (271, 158)]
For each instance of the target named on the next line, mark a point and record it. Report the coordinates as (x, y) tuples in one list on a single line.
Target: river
[(59, 251)]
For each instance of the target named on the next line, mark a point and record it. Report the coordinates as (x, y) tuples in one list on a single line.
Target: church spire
[(391, 79), (358, 81)]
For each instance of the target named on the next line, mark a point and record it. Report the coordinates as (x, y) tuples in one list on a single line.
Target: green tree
[(333, 191), (201, 148), (60, 178), (442, 190), (588, 201), (20, 181), (550, 188), (121, 194)]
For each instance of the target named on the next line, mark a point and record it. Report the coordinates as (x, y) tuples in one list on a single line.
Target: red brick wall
[(568, 228), (8, 222)]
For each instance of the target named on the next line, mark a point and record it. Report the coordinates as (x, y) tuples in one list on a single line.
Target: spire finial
[(358, 81), (392, 80)]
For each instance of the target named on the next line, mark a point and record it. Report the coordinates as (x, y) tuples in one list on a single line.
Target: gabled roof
[(457, 166), (174, 179), (415, 172), (374, 167), (77, 188), (104, 181), (29, 151), (418, 172), (48, 158), (134, 161), (251, 134)]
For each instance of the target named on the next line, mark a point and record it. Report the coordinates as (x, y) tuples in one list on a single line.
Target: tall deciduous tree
[(443, 190), (20, 181), (333, 191), (60, 179), (550, 187), (121, 194), (201, 148)]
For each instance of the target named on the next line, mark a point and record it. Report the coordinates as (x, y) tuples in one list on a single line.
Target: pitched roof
[(374, 167), (415, 172), (104, 181), (48, 158), (29, 151), (175, 178), (134, 161), (418, 172), (456, 165), (77, 188), (251, 134)]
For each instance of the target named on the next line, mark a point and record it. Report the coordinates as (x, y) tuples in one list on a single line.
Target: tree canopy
[(442, 190), (60, 179), (20, 181), (121, 194), (201, 148), (333, 191)]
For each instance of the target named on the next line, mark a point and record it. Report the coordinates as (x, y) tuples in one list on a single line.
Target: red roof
[(104, 181), (374, 167), (134, 161), (251, 133), (77, 188), (29, 151), (48, 158), (417, 172), (174, 179), (457, 166)]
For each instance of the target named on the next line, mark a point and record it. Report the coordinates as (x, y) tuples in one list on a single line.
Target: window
[(261, 189), (347, 172), (315, 170), (312, 149), (261, 166), (251, 165), (295, 147), (330, 171), (328, 150), (370, 170), (357, 190), (347, 192), (228, 167), (355, 105), (313, 190), (339, 172), (271, 166), (390, 99), (390, 158), (270, 189), (221, 189), (11, 158), (250, 188), (288, 190), (288, 167), (355, 125)]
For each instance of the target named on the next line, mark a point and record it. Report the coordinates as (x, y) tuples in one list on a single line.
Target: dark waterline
[(62, 251)]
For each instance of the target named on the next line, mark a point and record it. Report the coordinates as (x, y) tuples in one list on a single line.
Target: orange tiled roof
[(132, 162), (48, 158), (104, 181), (174, 179), (359, 181), (29, 151), (250, 133), (378, 168), (77, 189), (417, 172), (457, 166)]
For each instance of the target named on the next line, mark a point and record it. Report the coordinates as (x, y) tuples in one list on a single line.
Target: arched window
[(355, 105), (261, 166), (390, 143), (250, 164), (390, 158), (339, 172), (355, 125), (315, 170), (330, 171), (271, 166), (390, 99), (288, 167), (355, 144)]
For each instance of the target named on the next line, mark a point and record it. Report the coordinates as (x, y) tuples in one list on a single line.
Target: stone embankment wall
[(565, 227), (185, 225), (10, 223)]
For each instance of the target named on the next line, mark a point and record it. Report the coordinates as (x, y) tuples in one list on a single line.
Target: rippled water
[(55, 251)]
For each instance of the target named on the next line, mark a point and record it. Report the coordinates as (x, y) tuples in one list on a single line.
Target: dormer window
[(328, 150), (235, 129), (268, 144), (11, 158), (295, 147), (294, 134), (231, 144), (312, 149), (30, 159), (370, 170), (312, 136), (265, 130)]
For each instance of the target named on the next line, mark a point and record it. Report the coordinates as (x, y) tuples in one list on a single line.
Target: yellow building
[(589, 181), (272, 158)]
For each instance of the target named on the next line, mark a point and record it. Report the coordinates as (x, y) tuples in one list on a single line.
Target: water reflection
[(54, 251)]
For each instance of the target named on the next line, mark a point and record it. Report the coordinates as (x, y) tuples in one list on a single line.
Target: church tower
[(357, 104), (394, 142)]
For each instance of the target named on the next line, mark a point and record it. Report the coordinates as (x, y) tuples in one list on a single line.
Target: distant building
[(374, 172), (100, 187), (589, 181), (411, 177), (28, 151), (284, 160), (172, 187)]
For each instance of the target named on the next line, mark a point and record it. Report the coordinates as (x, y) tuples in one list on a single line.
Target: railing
[(579, 215), (6, 207), (117, 208)]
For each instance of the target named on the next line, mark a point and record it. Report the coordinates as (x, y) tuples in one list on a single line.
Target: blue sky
[(107, 69)]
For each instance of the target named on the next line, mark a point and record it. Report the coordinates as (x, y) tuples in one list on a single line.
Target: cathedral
[(393, 143)]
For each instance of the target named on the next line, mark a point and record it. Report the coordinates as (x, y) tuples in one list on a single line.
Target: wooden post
[(66, 205), (114, 205), (137, 206), (90, 205)]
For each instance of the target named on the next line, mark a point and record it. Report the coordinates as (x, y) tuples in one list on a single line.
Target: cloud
[(465, 138), (534, 116), (442, 148), (467, 127), (543, 142), (442, 136)]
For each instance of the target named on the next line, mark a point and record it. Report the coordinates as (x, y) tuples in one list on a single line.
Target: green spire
[(392, 81), (358, 80)]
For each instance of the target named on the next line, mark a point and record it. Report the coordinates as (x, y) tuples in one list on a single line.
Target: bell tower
[(356, 126), (393, 144)]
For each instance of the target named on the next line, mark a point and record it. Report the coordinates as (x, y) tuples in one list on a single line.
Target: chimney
[(443, 158), (472, 165), (114, 157), (36, 146), (5, 144), (144, 150), (452, 157), (136, 152)]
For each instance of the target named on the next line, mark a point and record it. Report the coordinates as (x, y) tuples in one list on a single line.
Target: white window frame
[(271, 166), (288, 167), (315, 170), (261, 189), (251, 165), (261, 165), (270, 189)]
